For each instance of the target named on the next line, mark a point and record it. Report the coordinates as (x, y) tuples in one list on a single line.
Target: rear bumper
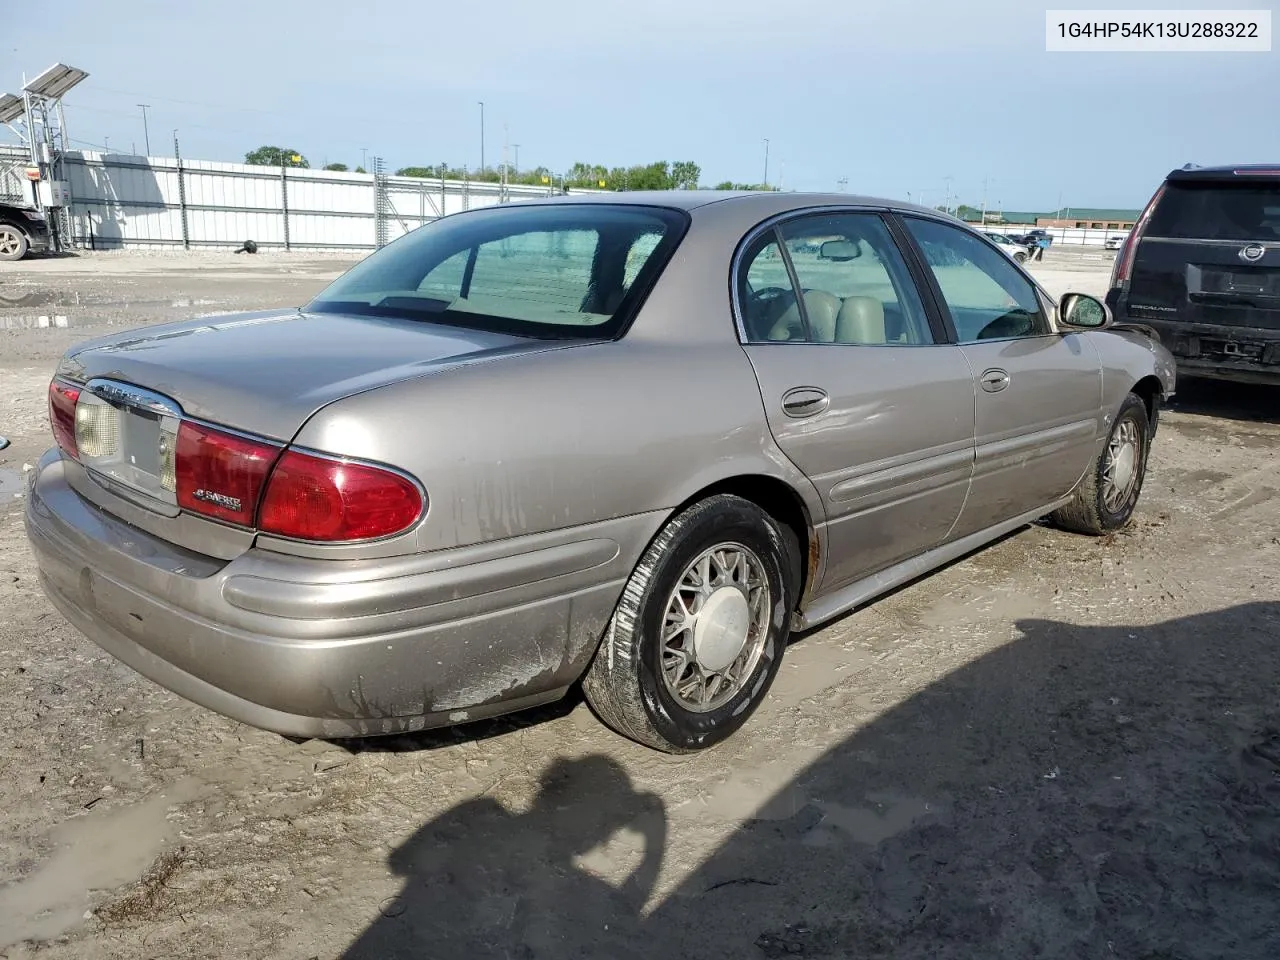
[(321, 648), (1203, 350)]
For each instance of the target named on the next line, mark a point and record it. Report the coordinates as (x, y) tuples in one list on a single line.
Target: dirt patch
[(1058, 747)]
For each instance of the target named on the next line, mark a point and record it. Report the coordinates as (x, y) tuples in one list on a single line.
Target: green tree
[(275, 157), (338, 167)]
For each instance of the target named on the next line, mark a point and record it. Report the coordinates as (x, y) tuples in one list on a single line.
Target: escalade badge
[(1253, 252)]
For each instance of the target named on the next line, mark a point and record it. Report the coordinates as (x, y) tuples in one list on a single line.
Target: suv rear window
[(1209, 210), (550, 271)]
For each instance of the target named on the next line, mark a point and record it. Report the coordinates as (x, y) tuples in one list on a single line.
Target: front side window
[(550, 271), (855, 286), (988, 298)]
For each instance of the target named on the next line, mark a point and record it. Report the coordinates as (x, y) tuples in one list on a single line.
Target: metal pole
[(517, 163), (145, 132), (284, 199), (481, 102), (182, 194), (766, 163), (442, 173)]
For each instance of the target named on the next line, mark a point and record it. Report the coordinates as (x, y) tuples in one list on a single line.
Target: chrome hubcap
[(1120, 471), (715, 627), (9, 242)]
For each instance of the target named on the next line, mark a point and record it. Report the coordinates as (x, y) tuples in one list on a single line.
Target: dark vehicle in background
[(23, 230), (1202, 268)]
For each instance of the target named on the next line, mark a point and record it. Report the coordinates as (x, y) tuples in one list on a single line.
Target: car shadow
[(1224, 399), (1081, 791)]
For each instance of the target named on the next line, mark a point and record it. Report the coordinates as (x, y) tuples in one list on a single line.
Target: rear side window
[(1241, 211)]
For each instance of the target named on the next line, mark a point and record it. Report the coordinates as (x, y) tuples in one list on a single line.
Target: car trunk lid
[(261, 374), (265, 373)]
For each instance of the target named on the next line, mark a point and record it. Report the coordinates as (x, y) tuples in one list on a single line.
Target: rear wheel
[(13, 242), (1108, 495), (697, 637)]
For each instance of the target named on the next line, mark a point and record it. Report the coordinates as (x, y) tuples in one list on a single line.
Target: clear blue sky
[(895, 96)]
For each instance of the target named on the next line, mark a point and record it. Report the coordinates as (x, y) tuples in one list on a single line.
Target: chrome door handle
[(993, 381), (804, 401)]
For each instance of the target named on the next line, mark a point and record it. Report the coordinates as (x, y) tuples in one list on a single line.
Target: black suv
[(1202, 268), (23, 230)]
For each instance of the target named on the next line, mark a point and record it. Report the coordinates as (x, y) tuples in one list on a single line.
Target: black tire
[(1088, 511), (13, 242), (1020, 257), (625, 685)]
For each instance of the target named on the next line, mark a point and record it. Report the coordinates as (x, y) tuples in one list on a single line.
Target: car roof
[(1225, 171), (766, 200)]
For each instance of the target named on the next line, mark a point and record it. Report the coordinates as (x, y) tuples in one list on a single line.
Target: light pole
[(766, 163), (516, 167), (481, 102), (144, 127)]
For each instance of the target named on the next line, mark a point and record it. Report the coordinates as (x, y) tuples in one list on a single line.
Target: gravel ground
[(1057, 747)]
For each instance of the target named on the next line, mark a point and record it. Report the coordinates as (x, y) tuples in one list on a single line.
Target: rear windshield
[(554, 270), (1192, 210)]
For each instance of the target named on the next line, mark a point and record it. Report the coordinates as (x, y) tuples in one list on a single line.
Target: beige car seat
[(861, 320), (822, 308)]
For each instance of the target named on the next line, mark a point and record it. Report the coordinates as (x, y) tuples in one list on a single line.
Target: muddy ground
[(1057, 747)]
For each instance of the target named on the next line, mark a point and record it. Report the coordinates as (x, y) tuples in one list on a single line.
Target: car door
[(861, 390), (1038, 392)]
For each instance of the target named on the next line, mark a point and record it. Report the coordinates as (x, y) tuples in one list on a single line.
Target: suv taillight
[(1124, 259), (317, 498), (62, 416)]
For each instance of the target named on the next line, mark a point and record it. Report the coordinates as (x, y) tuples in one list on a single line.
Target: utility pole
[(984, 202), (516, 167), (766, 163), (145, 133), (946, 200), (481, 102)]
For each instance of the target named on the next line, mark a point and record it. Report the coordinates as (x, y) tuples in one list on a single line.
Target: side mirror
[(1084, 312), (839, 250)]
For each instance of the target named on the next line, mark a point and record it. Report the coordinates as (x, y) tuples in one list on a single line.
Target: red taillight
[(1124, 259), (62, 416), (314, 498), (219, 474)]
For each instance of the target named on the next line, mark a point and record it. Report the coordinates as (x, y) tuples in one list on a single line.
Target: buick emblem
[(1253, 252)]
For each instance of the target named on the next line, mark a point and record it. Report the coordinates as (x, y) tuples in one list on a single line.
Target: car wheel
[(697, 637), (1020, 257), (13, 242), (1108, 494)]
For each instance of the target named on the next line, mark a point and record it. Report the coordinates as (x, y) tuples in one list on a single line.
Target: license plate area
[(1250, 282), (127, 438)]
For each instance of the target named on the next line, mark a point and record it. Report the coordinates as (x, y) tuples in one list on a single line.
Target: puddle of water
[(11, 484), (95, 852)]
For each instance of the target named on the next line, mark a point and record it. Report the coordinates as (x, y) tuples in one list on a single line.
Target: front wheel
[(1020, 257), (697, 637), (1108, 494)]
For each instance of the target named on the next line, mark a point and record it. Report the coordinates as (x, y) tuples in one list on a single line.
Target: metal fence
[(123, 201)]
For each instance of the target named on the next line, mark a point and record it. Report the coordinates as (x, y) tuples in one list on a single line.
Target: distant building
[(1080, 218)]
